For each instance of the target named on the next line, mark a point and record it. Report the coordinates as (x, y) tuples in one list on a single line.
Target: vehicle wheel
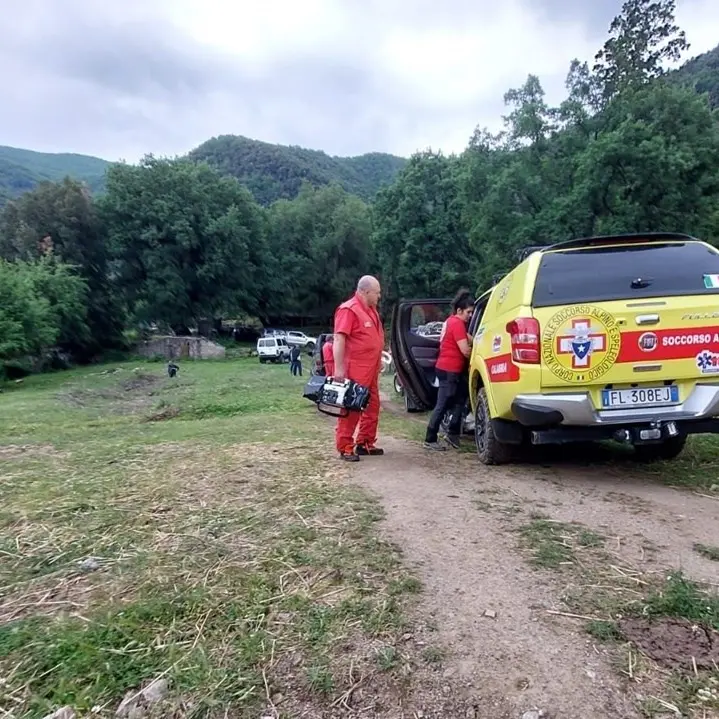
[(310, 347), (668, 449), (262, 360), (489, 449), (397, 386)]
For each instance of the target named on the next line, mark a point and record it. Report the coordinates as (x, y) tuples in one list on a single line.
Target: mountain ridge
[(270, 171)]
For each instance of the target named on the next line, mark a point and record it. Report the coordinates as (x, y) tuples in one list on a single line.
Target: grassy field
[(196, 531)]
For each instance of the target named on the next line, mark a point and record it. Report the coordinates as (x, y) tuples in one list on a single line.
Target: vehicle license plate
[(640, 397)]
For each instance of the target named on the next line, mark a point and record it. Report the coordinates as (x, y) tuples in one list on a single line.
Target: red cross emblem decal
[(581, 342)]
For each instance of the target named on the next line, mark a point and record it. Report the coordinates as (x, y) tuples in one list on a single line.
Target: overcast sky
[(121, 79)]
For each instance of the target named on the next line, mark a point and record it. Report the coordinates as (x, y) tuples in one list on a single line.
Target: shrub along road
[(198, 531)]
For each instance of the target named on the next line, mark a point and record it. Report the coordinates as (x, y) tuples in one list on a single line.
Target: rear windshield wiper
[(640, 283)]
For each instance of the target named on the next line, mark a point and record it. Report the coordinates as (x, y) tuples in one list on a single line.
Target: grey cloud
[(134, 62), (138, 57), (87, 79), (595, 15)]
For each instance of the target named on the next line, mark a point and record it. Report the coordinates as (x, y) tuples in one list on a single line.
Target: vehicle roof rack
[(524, 252), (638, 237)]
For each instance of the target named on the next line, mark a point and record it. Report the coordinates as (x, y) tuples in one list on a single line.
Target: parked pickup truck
[(592, 339)]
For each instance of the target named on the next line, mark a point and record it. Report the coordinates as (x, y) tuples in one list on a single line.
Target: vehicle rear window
[(616, 273)]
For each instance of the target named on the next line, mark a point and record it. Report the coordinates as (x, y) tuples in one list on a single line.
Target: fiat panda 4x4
[(592, 339)]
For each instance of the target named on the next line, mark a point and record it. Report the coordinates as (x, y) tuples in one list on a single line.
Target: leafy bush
[(42, 304)]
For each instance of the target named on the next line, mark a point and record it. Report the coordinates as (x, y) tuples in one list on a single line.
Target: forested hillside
[(173, 242), (22, 170), (702, 74), (270, 172), (273, 172)]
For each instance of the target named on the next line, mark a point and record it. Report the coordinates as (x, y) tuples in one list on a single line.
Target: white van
[(273, 349)]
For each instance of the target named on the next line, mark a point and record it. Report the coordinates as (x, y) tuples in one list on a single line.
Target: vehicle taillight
[(524, 340)]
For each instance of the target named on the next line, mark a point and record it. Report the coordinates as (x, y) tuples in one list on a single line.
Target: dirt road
[(459, 524)]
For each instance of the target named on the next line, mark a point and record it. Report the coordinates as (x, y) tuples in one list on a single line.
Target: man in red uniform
[(328, 358), (358, 345)]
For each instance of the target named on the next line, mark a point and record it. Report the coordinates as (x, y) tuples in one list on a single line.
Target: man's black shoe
[(349, 458)]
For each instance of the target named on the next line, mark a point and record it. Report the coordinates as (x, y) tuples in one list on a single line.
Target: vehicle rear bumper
[(576, 409)]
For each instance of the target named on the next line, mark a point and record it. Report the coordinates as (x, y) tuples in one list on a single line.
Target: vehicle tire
[(489, 449), (310, 347), (668, 449), (397, 386), (262, 360)]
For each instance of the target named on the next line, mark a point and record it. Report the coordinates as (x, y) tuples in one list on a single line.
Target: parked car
[(273, 349), (300, 339), (593, 339), (271, 332)]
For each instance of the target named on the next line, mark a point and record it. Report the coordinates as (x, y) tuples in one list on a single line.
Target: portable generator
[(339, 398)]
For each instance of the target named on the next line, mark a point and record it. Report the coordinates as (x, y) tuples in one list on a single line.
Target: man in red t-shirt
[(451, 369), (358, 344)]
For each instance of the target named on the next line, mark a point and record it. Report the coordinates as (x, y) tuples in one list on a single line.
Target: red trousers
[(368, 420)]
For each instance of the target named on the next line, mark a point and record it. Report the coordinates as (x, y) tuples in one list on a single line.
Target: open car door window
[(478, 313), (415, 333)]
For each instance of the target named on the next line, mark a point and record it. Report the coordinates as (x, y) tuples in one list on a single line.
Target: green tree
[(642, 37), (61, 219), (188, 244), (43, 303), (420, 235), (653, 165), (321, 242), (641, 156), (530, 120)]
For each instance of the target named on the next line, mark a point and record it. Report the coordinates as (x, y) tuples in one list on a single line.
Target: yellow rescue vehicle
[(591, 339)]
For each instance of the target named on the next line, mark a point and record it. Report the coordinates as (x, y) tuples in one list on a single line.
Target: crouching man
[(358, 344)]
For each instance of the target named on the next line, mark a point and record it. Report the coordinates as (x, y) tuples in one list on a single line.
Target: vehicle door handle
[(646, 319)]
